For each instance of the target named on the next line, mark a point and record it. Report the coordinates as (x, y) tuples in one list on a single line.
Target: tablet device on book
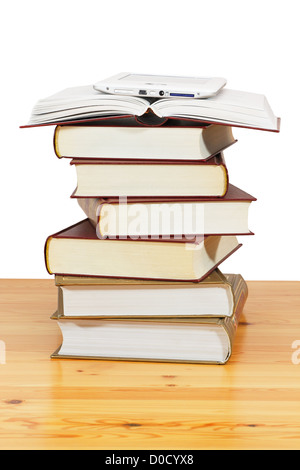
[(161, 86)]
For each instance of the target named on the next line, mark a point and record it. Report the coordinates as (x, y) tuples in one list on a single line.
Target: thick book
[(214, 296), (143, 217), (102, 178), (78, 251), (199, 340), (140, 142), (229, 107)]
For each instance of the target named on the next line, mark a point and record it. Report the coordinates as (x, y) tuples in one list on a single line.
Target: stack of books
[(139, 277)]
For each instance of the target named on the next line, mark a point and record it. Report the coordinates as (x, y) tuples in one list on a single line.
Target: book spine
[(46, 254), (231, 323), (55, 141), (60, 302)]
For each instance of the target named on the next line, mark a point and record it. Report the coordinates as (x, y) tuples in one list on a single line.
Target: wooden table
[(253, 402)]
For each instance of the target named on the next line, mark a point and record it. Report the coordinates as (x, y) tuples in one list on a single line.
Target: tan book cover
[(91, 298), (234, 282), (228, 326), (214, 277)]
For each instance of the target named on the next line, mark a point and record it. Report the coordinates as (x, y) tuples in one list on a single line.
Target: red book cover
[(84, 230)]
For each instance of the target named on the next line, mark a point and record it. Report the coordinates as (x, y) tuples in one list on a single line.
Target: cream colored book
[(215, 295), (140, 142), (143, 217), (149, 178), (199, 340)]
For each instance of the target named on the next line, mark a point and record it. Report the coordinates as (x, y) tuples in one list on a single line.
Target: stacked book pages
[(139, 277)]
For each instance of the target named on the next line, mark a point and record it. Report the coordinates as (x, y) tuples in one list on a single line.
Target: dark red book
[(78, 251)]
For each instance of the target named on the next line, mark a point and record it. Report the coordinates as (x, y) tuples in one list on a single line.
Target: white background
[(49, 46)]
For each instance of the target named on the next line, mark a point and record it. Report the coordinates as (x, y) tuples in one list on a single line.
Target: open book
[(229, 107)]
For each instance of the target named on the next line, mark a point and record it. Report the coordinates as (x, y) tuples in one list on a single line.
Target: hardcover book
[(141, 217), (140, 142), (102, 178), (214, 296), (200, 340), (78, 251), (229, 107)]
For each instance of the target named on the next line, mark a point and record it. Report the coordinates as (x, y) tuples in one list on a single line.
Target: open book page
[(84, 102), (228, 106)]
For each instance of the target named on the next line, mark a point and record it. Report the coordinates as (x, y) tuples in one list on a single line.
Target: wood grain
[(250, 403)]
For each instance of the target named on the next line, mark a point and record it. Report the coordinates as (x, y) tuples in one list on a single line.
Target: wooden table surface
[(253, 402)]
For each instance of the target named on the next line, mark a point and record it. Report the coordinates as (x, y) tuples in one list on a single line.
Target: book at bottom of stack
[(104, 318), (162, 300)]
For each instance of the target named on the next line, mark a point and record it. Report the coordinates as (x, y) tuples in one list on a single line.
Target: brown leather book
[(77, 251)]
